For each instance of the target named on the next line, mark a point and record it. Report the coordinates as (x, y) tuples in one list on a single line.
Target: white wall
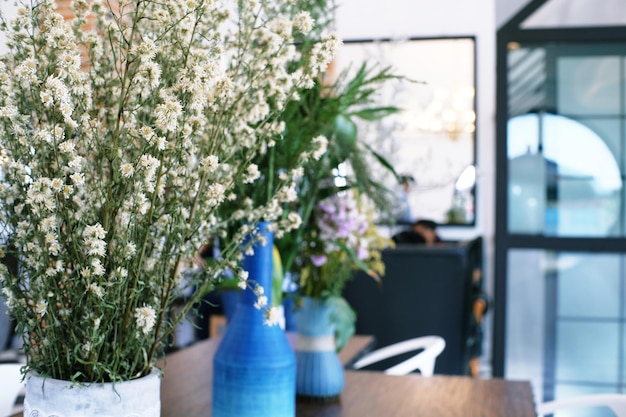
[(9, 11), (394, 18), (371, 19), (506, 9)]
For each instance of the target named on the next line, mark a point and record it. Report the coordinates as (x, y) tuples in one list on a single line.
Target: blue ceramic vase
[(254, 368), (320, 375)]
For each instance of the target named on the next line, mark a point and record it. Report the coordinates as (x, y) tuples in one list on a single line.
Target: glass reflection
[(563, 178)]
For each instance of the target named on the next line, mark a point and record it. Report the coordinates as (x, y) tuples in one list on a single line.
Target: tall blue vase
[(320, 374), (254, 368)]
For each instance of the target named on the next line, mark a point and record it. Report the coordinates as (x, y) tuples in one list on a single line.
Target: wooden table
[(186, 391)]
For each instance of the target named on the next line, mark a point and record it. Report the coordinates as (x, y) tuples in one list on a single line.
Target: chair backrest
[(424, 361), (10, 386), (616, 402)]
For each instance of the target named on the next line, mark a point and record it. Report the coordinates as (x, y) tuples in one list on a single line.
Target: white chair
[(10, 386), (424, 361), (616, 402)]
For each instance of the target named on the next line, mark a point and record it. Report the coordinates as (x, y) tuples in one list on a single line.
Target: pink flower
[(318, 260), (362, 253)]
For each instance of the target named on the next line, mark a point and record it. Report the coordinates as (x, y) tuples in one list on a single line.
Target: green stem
[(309, 205), (270, 180)]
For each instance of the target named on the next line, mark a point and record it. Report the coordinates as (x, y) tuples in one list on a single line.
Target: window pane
[(587, 352), (588, 85), (566, 137), (565, 320), (587, 286), (525, 317), (563, 178)]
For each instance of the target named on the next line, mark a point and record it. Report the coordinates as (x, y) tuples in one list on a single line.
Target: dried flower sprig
[(123, 131)]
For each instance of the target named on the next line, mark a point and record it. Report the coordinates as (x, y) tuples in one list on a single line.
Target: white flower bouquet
[(124, 130)]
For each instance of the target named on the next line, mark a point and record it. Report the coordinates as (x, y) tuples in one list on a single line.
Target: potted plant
[(335, 191), (124, 128)]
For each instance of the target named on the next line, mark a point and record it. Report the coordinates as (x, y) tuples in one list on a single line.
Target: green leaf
[(345, 131), (375, 113), (383, 161), (343, 318), (277, 277), (362, 265)]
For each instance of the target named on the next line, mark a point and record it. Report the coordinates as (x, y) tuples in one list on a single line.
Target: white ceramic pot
[(47, 397)]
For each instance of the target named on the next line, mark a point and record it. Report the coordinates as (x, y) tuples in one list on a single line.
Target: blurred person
[(428, 230), (422, 231), (402, 211)]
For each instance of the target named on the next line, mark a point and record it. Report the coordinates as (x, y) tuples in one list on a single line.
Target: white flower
[(48, 224), (54, 248), (67, 147), (127, 170), (242, 283), (8, 295), (145, 318), (216, 193), (121, 272), (95, 231), (167, 115), (41, 307), (75, 164), (260, 302), (224, 87), (67, 191), (272, 316), (282, 27), (259, 290), (85, 272), (147, 133), (97, 268), (209, 163), (56, 184), (130, 250), (59, 133), (287, 194), (303, 22), (293, 221), (96, 290), (26, 69), (321, 145), (8, 111), (78, 178), (50, 237), (253, 173), (297, 173), (146, 50)]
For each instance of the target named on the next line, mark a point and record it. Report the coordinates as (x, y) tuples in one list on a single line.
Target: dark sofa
[(426, 290)]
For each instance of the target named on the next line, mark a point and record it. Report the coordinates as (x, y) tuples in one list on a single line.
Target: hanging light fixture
[(449, 112)]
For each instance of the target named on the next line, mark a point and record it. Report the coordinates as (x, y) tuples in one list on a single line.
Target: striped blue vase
[(254, 368), (320, 375)]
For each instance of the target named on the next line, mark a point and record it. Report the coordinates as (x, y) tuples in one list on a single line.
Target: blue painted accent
[(290, 318), (320, 374), (254, 368), (230, 299)]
